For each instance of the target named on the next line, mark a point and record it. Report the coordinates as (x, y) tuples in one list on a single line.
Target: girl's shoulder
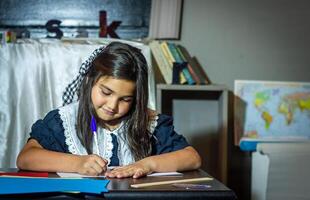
[(154, 115), (49, 132), (56, 130), (56, 118), (52, 115), (166, 139), (158, 121), (51, 119)]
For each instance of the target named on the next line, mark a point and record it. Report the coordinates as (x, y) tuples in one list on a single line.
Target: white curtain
[(33, 76), (165, 20)]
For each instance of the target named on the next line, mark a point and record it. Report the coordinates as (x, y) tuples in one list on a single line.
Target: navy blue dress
[(49, 132)]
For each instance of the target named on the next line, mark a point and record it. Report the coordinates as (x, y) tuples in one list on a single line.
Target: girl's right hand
[(91, 165)]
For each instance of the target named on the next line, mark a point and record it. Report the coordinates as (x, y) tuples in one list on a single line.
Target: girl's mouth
[(108, 112)]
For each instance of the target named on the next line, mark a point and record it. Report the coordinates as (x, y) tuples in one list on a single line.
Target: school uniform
[(57, 132)]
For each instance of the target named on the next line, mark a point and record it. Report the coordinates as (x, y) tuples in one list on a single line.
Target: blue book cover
[(24, 185)]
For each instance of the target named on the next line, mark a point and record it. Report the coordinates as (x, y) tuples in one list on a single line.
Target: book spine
[(174, 53), (190, 68), (196, 68), (167, 53), (178, 59), (170, 58), (193, 74), (176, 73), (161, 61)]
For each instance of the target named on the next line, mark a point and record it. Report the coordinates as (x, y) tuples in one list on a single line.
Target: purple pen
[(93, 127)]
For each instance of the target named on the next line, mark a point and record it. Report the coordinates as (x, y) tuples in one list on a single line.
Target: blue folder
[(21, 185)]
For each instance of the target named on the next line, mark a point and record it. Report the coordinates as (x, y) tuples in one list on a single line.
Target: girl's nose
[(112, 104)]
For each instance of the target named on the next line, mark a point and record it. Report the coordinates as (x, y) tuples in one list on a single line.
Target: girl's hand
[(135, 170), (91, 165)]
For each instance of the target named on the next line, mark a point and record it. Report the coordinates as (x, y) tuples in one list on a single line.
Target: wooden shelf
[(200, 114)]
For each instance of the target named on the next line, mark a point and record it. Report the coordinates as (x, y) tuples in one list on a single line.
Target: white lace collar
[(68, 115)]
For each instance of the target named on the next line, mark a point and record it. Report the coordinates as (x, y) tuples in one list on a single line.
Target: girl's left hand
[(135, 170)]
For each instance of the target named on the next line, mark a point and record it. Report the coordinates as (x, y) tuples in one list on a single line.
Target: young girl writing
[(112, 90)]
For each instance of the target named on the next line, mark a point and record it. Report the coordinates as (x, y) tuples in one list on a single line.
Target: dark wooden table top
[(121, 189)]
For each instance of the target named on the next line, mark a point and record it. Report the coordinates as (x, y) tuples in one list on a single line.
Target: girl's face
[(112, 98)]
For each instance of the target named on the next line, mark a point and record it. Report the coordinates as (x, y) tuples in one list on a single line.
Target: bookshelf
[(200, 114)]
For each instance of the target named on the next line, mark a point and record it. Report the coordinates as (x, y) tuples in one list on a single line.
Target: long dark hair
[(120, 61)]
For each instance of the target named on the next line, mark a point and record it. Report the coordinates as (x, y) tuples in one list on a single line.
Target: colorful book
[(190, 68), (171, 59), (162, 63), (179, 59), (204, 79)]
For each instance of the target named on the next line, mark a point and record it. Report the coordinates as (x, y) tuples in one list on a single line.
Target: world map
[(271, 110)]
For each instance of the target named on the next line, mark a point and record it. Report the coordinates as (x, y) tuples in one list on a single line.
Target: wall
[(251, 40), (240, 39)]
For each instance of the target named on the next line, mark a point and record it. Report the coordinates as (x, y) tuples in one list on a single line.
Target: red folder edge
[(27, 174)]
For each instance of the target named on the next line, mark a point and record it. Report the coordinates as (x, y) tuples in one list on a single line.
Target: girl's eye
[(105, 92), (128, 100)]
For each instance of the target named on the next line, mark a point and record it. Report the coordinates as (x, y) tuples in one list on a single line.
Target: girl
[(112, 91)]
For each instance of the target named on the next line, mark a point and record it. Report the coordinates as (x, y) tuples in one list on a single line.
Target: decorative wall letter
[(52, 26)]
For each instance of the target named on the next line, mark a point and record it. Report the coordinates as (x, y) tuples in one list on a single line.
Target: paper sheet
[(76, 175)]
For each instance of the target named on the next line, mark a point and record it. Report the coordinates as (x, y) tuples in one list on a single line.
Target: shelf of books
[(175, 65), (199, 107)]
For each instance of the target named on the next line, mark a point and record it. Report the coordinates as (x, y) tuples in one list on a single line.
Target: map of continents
[(272, 109)]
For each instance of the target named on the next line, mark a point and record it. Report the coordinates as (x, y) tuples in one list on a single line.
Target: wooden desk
[(119, 189)]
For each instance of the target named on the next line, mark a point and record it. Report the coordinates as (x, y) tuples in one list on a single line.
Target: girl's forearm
[(39, 159), (181, 160)]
